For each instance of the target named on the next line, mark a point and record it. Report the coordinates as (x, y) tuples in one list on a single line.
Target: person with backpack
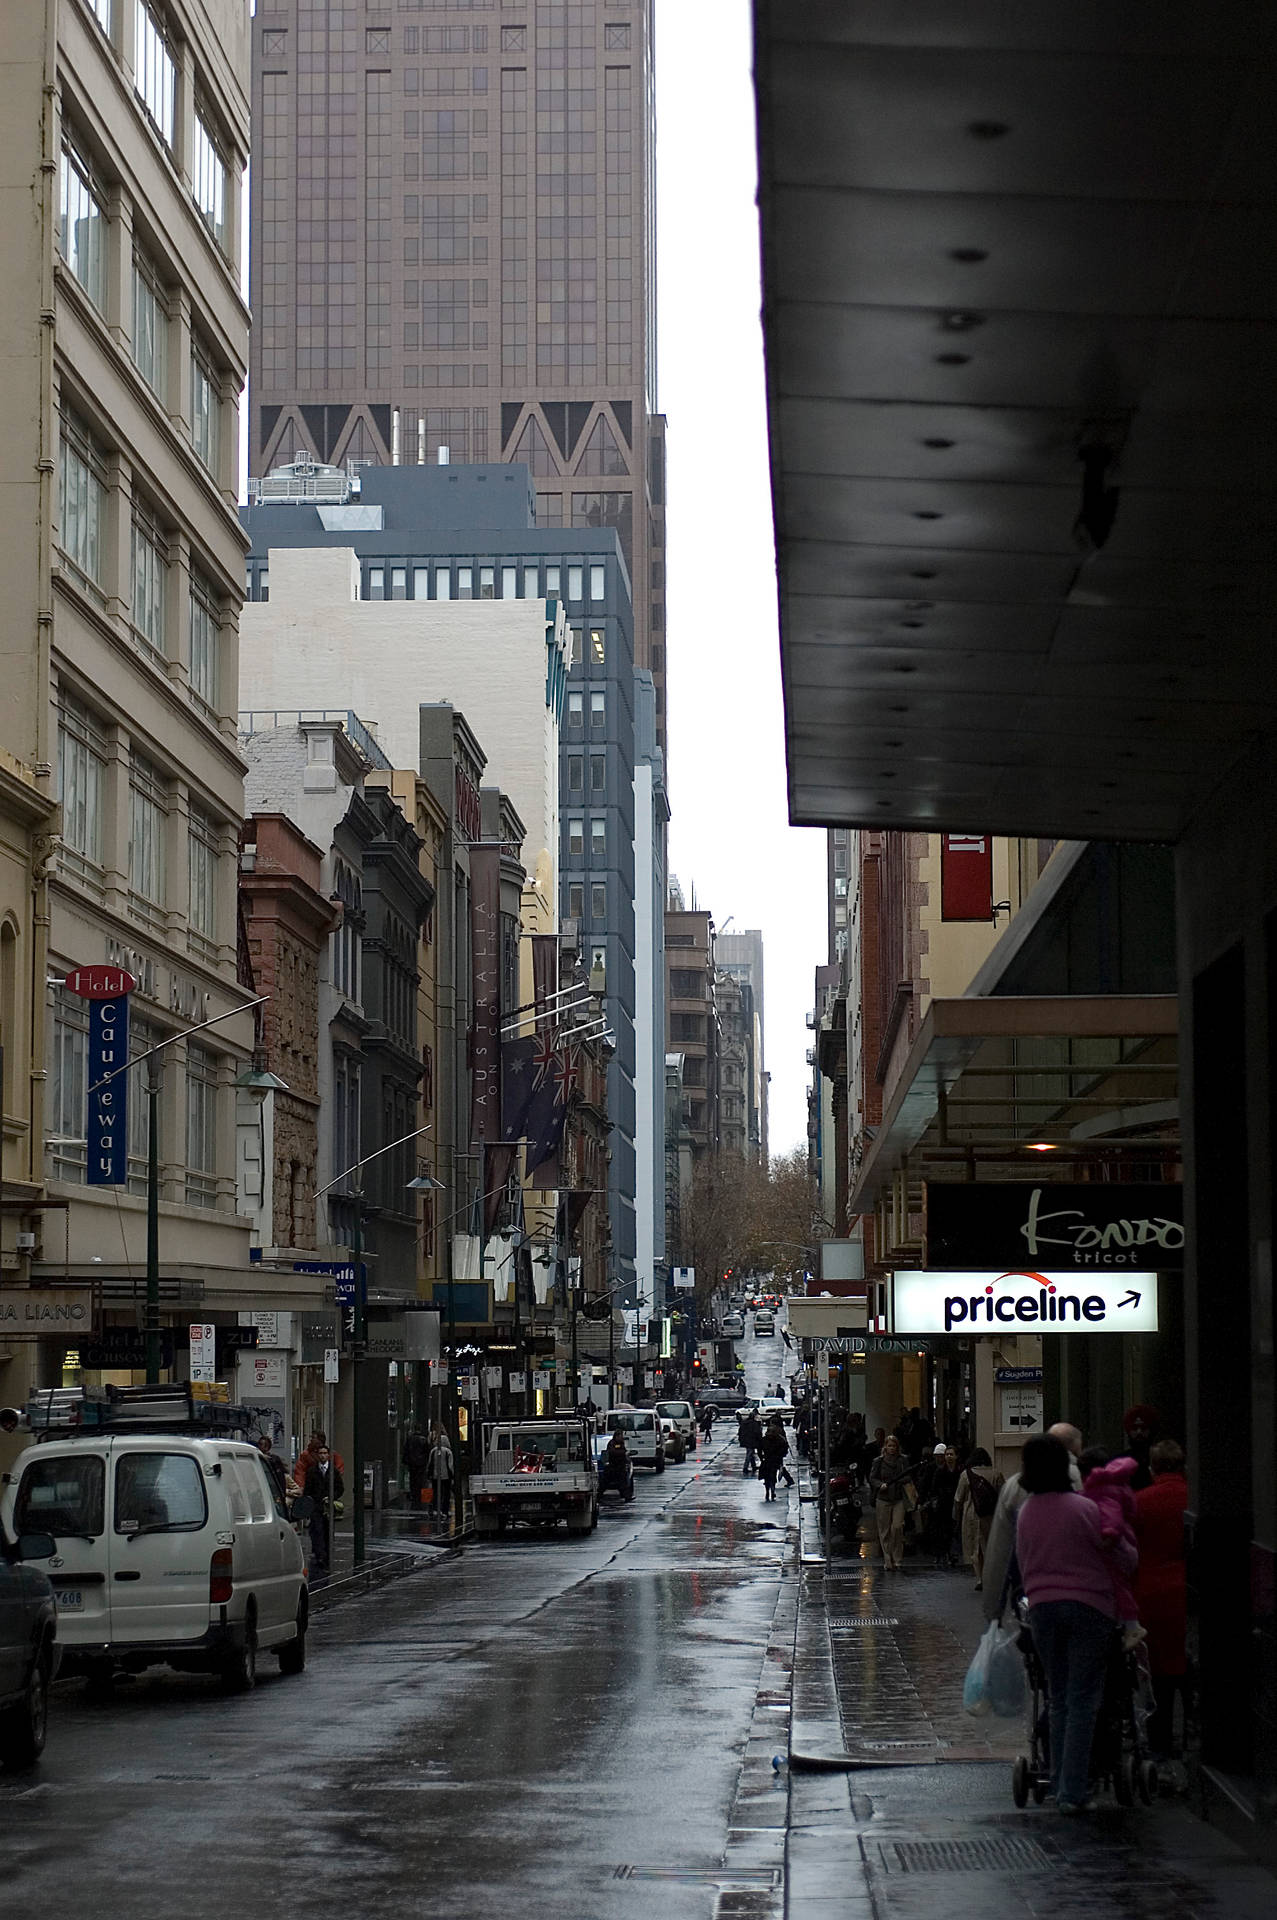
[(974, 1507)]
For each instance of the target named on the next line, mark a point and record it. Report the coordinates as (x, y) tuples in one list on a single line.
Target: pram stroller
[(1120, 1758)]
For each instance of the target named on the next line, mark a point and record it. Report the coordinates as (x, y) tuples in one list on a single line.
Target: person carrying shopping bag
[(891, 1484)]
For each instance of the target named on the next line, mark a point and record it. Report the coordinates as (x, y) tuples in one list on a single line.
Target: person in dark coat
[(1141, 1426), (1161, 1585), (751, 1438), (937, 1507), (416, 1460), (773, 1448), (276, 1469), (323, 1485)]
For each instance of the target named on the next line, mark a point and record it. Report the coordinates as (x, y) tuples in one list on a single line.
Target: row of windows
[(83, 498), (576, 772), (83, 240), (156, 85), (598, 900), (382, 582), (87, 768), (574, 712), (68, 1102), (575, 826)]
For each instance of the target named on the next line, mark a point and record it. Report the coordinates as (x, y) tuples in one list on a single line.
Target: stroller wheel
[(1020, 1782), (1124, 1777), (1146, 1781), (1039, 1792)]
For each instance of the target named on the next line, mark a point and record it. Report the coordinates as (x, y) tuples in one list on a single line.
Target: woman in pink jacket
[(1068, 1576)]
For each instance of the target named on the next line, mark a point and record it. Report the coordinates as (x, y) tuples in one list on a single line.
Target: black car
[(28, 1628)]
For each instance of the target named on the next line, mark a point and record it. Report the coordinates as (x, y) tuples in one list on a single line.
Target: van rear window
[(159, 1493), (62, 1496)]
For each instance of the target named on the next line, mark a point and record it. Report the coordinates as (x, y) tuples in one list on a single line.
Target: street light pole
[(152, 1310), (359, 1342)]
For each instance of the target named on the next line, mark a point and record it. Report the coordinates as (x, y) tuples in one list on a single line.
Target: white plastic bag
[(995, 1678), (975, 1688)]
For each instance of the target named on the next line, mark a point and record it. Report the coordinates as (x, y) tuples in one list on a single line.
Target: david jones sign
[(1023, 1298)]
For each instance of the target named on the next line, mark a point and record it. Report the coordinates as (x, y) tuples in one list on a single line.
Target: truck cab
[(536, 1473)]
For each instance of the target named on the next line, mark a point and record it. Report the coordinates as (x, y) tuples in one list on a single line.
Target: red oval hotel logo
[(99, 983)]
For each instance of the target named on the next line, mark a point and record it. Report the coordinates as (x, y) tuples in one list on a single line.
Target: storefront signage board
[(1023, 1300), (31, 1311), (1092, 1227)]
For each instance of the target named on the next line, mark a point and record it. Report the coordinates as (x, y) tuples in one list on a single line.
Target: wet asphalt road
[(496, 1735)]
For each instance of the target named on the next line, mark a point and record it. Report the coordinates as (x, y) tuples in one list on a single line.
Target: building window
[(465, 587), (576, 838), (840, 859), (205, 407), (487, 583), (616, 39), (509, 583), (148, 822), (274, 40), (598, 772), (598, 902), (150, 577), (598, 839), (68, 1107), (154, 74), (598, 648), (421, 583), (346, 940), (201, 1127), (103, 12), (443, 583), (576, 901), (428, 1078), (574, 712), (399, 583), (576, 771), (150, 325), (531, 583), (206, 643), (82, 235), (377, 40), (598, 576), (686, 984), (575, 583), (598, 712), (210, 183), (202, 838), (376, 584), (552, 580), (514, 39), (81, 497), (82, 750)]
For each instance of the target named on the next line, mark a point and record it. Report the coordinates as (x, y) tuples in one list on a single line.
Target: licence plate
[(68, 1599)]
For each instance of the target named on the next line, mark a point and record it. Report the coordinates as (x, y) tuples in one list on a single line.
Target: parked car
[(643, 1435), (28, 1651), (680, 1414), (171, 1550), (675, 1444), (733, 1397), (770, 1406)]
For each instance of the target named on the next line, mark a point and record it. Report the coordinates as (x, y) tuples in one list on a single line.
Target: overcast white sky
[(729, 836)]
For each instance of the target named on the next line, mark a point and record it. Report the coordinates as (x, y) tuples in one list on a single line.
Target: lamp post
[(151, 1311)]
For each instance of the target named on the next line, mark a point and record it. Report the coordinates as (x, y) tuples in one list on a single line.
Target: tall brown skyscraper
[(453, 246)]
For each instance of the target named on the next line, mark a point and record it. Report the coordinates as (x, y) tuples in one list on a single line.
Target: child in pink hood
[(1108, 1483)]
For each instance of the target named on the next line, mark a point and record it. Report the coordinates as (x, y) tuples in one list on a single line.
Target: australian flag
[(533, 1097)]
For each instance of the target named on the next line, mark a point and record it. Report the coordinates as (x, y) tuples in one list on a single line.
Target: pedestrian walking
[(275, 1468), (974, 1508), (1108, 1483), (309, 1454), (416, 1462), (750, 1434), (891, 1484), (936, 1506), (1001, 1581), (1068, 1575), (441, 1471), (324, 1486), (705, 1421), (773, 1447), (1161, 1586)]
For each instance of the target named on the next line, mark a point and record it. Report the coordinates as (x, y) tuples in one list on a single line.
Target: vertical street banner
[(966, 876), (485, 974), (545, 969), (107, 991)]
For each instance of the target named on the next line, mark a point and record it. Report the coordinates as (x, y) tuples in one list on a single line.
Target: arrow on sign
[(1130, 1299)]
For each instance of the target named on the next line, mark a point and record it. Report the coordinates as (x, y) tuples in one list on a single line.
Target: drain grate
[(843, 1621), (738, 1879), (1001, 1855), (897, 1746)]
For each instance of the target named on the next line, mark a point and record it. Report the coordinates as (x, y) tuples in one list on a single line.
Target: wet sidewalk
[(900, 1803)]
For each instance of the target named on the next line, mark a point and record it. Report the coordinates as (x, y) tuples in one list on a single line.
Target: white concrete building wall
[(315, 645)]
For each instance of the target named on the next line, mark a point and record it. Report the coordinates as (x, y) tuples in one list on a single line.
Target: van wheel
[(239, 1668), (24, 1725), (292, 1655)]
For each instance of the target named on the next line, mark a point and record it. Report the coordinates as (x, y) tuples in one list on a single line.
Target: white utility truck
[(536, 1473)]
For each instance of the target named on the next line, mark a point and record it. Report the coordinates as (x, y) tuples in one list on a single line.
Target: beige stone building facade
[(123, 138)]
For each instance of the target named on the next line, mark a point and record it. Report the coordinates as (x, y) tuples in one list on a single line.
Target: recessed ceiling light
[(1041, 1146), (968, 256), (988, 129), (952, 359)]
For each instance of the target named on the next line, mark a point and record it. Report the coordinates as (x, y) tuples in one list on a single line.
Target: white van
[(644, 1436), (171, 1550)]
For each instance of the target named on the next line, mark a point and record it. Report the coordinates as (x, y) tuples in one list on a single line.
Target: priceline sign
[(1024, 1299)]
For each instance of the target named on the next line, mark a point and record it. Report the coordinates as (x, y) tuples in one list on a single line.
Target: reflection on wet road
[(538, 1726)]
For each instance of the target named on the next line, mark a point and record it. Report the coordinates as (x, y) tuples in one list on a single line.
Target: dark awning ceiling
[(997, 233)]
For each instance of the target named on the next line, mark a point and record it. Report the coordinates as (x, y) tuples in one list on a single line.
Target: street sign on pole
[(683, 1279), (203, 1351), (332, 1366)]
